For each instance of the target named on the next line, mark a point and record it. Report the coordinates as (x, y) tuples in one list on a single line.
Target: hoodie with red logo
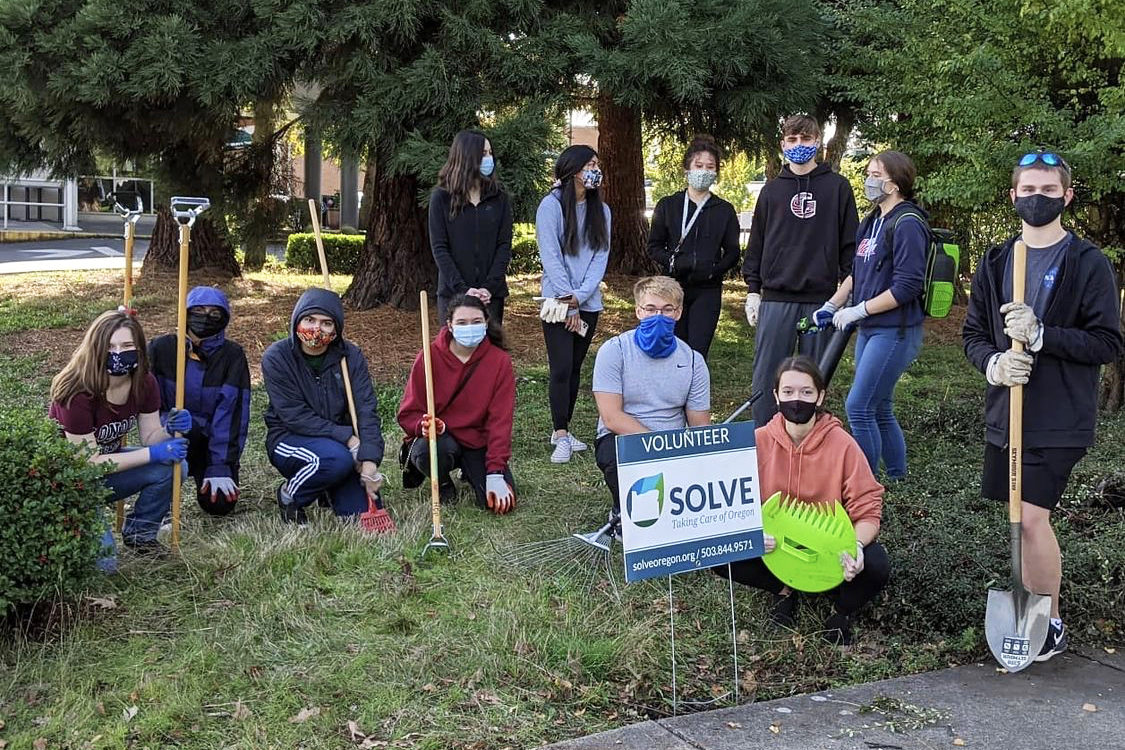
[(827, 466), (802, 239)]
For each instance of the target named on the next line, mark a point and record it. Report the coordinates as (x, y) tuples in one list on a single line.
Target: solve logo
[(645, 501)]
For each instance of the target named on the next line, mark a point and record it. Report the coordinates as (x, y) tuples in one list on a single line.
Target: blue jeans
[(152, 484), (315, 466), (881, 356)]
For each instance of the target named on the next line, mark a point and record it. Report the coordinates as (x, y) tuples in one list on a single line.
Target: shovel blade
[(1015, 629)]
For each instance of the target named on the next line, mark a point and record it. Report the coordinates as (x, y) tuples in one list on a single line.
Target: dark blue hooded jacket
[(216, 387), (314, 404)]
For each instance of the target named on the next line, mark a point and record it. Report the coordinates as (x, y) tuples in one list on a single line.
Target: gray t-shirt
[(1043, 265), (655, 392)]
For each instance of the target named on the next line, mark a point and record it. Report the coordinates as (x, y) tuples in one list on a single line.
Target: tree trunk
[(368, 191), (621, 155), (1112, 396), (262, 212), (396, 262), (835, 148), (209, 253)]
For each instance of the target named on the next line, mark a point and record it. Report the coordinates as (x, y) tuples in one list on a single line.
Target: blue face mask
[(800, 154), (487, 164), (470, 335), (656, 336), (121, 363)]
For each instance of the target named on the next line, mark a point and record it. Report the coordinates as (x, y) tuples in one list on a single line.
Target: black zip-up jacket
[(1081, 330), (315, 404), (802, 240), (710, 249), (473, 248)]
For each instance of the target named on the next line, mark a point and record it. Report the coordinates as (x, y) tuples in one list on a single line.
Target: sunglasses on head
[(1051, 160)]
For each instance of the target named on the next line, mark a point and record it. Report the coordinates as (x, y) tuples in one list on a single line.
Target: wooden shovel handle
[(1015, 398), (314, 214), (435, 491)]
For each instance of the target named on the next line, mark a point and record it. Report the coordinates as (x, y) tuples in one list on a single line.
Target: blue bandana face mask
[(121, 363), (656, 336), (487, 164), (470, 335), (801, 154)]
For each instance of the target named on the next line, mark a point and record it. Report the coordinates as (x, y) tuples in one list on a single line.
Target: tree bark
[(835, 148), (396, 262), (621, 155), (262, 212), (209, 253)]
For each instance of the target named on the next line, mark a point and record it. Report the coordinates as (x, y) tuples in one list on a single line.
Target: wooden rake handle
[(435, 491), (314, 214)]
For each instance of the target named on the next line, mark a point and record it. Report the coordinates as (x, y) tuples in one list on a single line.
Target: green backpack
[(943, 258)]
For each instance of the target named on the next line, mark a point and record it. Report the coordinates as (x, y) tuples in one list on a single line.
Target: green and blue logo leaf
[(645, 501)]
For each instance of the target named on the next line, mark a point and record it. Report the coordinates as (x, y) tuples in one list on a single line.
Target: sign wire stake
[(672, 627), (733, 632)]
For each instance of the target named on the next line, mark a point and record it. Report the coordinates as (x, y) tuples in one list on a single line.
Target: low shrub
[(525, 256), (51, 502), (342, 251)]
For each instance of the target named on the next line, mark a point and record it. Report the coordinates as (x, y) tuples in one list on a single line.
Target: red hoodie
[(828, 465), (482, 414)]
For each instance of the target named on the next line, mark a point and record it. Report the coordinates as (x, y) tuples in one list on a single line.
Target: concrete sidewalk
[(1074, 700)]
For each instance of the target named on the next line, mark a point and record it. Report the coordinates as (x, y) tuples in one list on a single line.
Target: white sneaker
[(575, 444), (562, 452)]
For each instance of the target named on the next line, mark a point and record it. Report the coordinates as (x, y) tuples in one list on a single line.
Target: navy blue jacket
[(216, 387), (314, 404), (894, 260), (1081, 330)]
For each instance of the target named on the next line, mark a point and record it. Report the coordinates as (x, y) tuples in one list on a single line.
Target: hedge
[(342, 251)]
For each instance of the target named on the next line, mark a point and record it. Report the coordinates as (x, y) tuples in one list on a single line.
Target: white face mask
[(471, 334), (701, 179)]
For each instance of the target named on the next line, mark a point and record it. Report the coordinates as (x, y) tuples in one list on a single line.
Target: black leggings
[(700, 317), (452, 455), (565, 353), (848, 597), (199, 458), (605, 456)]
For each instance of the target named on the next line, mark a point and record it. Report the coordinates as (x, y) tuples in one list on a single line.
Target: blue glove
[(822, 318), (177, 420), (168, 451)]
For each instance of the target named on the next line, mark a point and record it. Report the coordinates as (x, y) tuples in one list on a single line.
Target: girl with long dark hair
[(694, 239), (474, 401), (105, 390), (572, 229), (471, 226)]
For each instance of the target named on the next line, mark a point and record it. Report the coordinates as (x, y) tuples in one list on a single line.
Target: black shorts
[(1045, 473)]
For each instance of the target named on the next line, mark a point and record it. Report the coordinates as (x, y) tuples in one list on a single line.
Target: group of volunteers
[(809, 256)]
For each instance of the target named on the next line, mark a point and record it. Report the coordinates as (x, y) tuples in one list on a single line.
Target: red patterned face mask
[(314, 336)]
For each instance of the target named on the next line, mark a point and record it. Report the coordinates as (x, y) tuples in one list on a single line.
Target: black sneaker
[(783, 613), (1055, 643), (838, 630), (290, 513), (149, 548), (448, 494)]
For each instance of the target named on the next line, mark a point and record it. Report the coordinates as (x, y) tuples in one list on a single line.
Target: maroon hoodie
[(481, 414)]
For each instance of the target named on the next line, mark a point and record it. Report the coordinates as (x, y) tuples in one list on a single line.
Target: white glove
[(753, 302), (852, 566), (354, 450), (1009, 368), (499, 495), (1021, 324), (553, 311), (822, 318), (225, 485), (768, 543), (849, 316)]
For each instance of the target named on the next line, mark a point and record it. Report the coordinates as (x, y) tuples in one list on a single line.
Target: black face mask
[(121, 363), (205, 325), (1039, 210), (797, 411)]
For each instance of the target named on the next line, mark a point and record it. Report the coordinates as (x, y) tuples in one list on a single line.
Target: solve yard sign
[(690, 499)]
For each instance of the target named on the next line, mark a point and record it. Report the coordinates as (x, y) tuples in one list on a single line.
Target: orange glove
[(500, 497), (425, 425)]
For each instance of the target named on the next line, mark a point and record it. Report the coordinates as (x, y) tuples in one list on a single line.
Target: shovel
[(1016, 621)]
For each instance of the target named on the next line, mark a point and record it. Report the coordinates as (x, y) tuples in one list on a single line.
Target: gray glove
[(753, 302), (1021, 324), (1009, 368), (553, 311)]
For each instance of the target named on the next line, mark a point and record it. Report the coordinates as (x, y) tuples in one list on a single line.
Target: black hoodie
[(1081, 330), (710, 249), (473, 248), (802, 240), (315, 404)]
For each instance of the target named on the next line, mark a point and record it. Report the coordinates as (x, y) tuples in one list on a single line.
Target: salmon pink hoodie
[(828, 465)]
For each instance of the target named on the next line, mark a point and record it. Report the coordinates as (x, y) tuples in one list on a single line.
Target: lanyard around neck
[(685, 225)]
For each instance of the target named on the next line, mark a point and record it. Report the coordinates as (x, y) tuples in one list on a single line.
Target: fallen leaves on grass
[(40, 743), (103, 602), (305, 714), (129, 712), (241, 711)]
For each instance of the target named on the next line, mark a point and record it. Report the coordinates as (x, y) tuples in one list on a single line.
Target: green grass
[(225, 646)]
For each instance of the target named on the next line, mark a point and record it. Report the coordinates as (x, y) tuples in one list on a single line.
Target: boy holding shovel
[(1070, 325)]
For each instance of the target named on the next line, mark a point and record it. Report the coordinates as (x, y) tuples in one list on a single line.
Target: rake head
[(438, 543), (376, 519)]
